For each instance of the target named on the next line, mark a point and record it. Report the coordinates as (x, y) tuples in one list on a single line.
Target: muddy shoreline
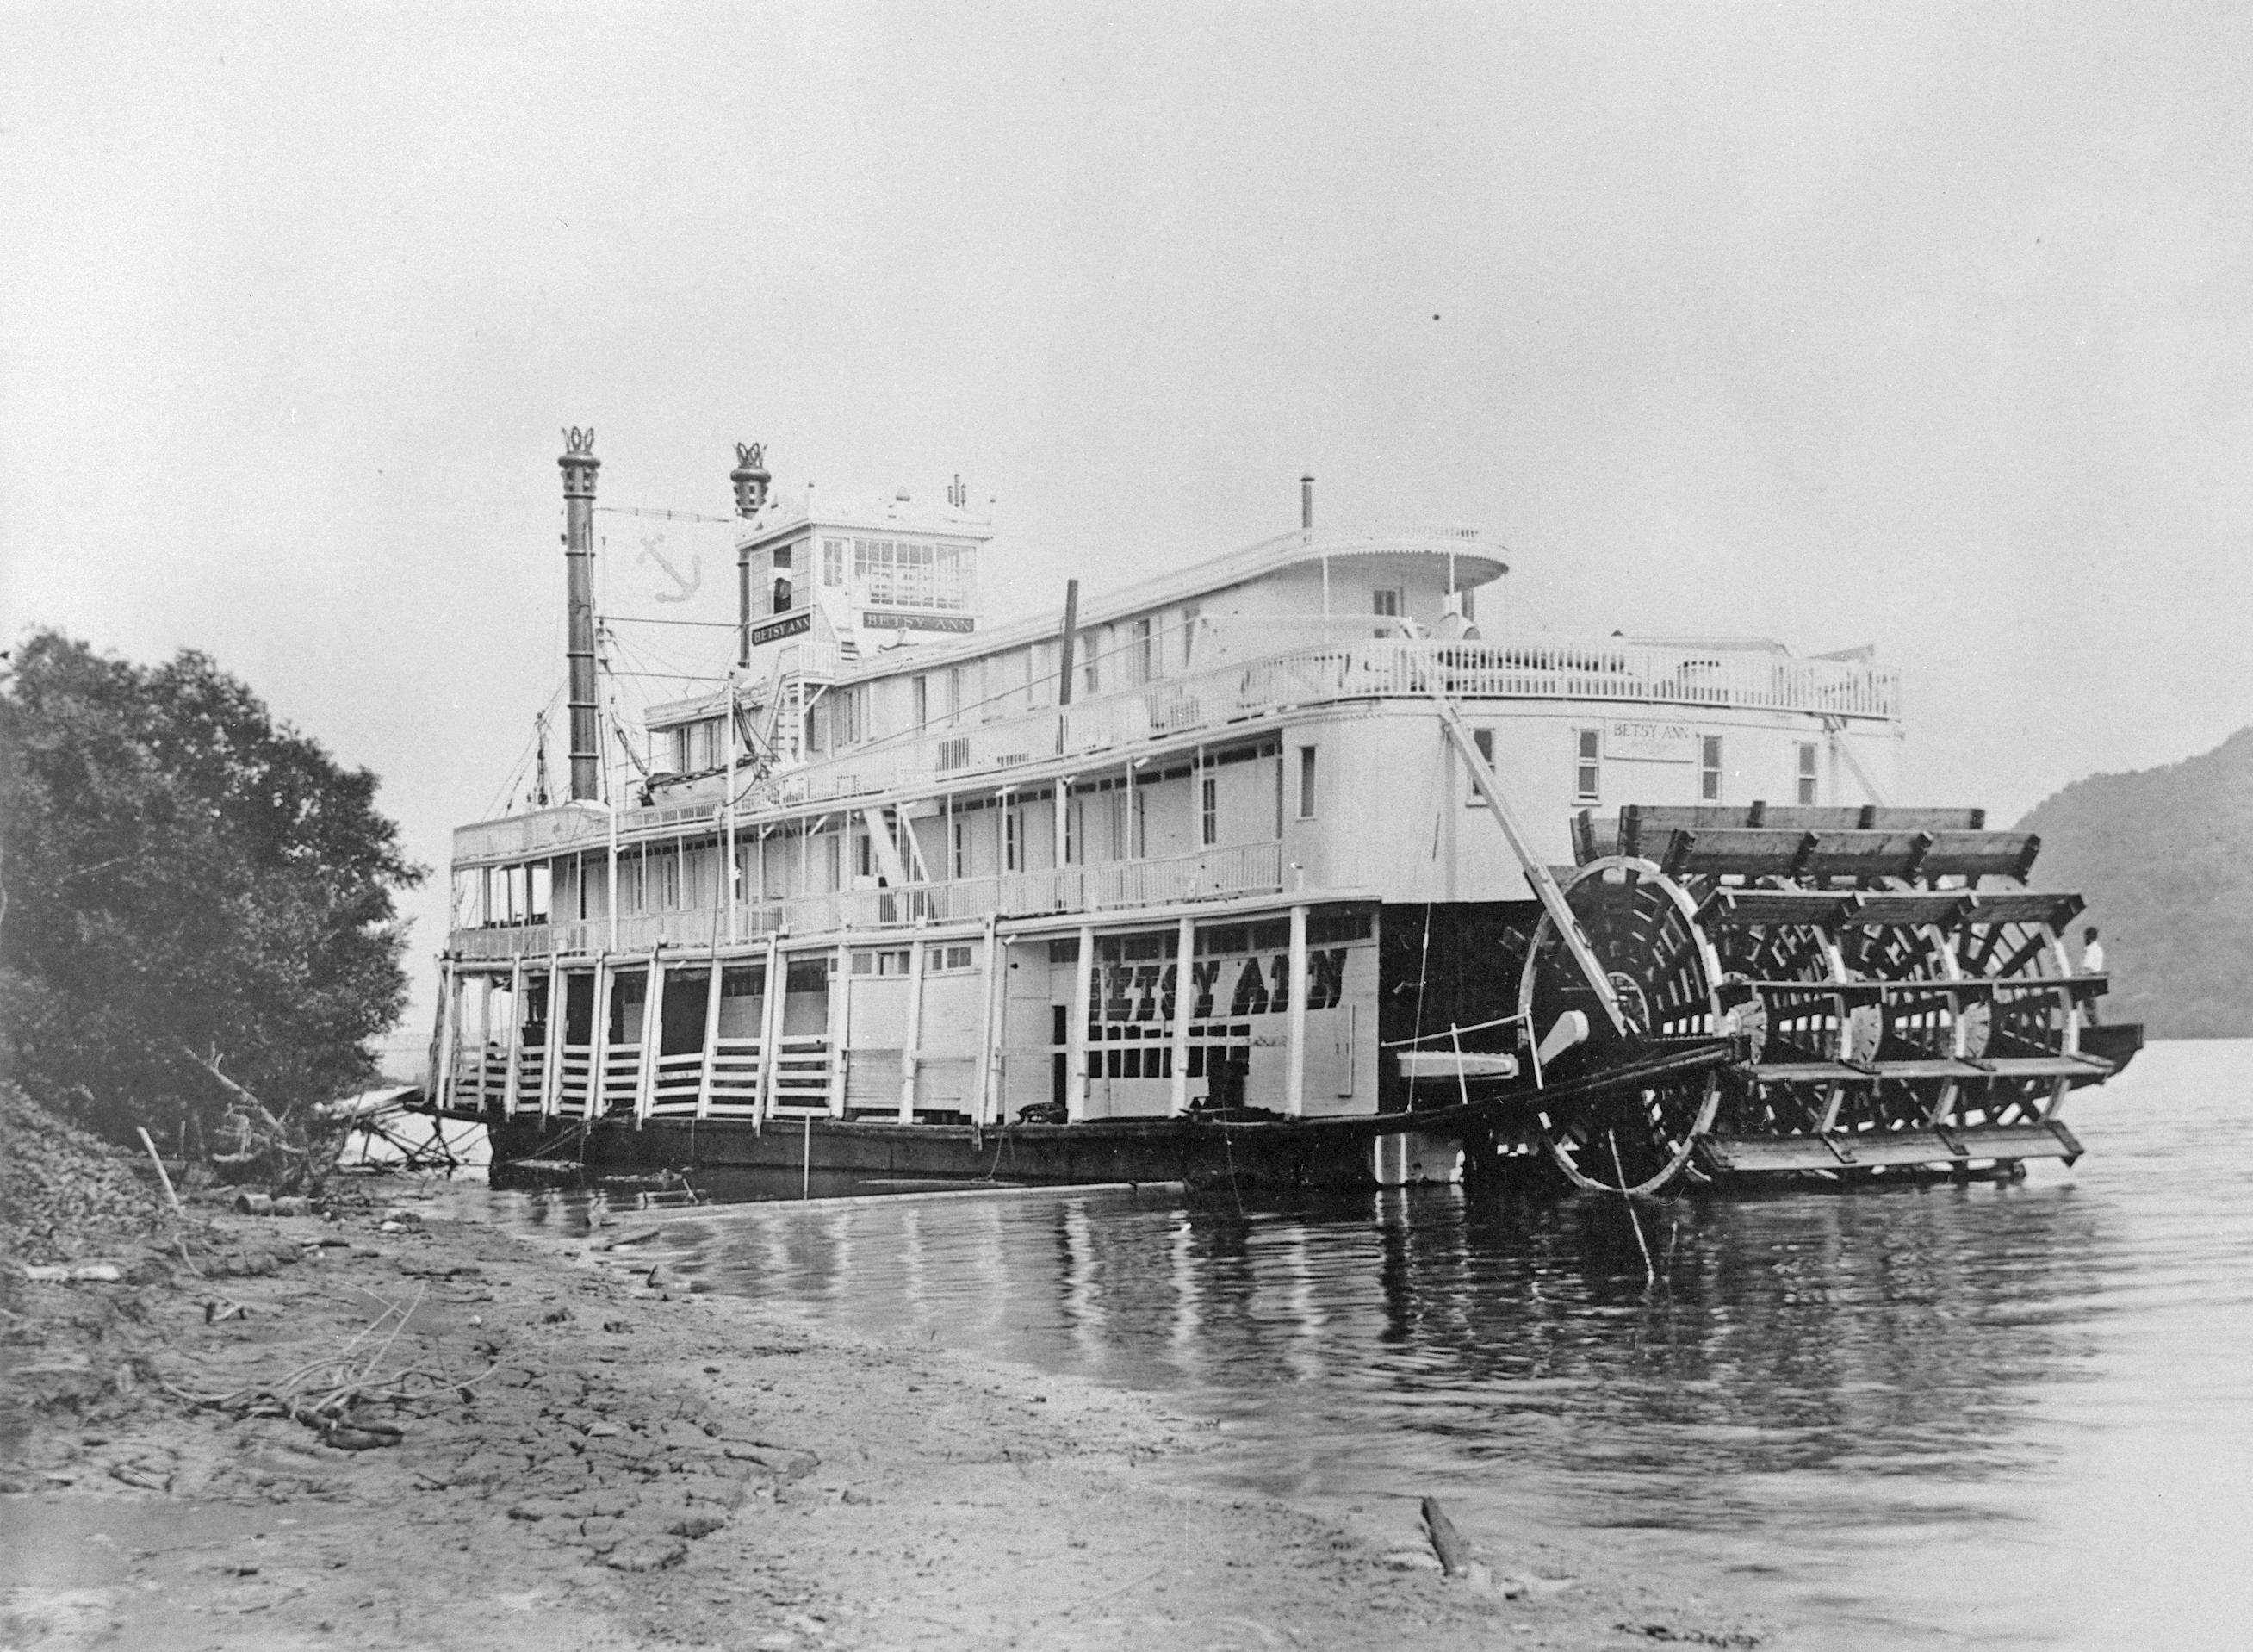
[(596, 1458)]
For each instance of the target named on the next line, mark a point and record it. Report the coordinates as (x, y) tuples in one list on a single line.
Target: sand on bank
[(606, 1463)]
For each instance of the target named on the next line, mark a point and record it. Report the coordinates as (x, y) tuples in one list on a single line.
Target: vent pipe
[(1306, 501), (579, 465)]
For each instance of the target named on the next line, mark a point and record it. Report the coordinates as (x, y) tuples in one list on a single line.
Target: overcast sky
[(1925, 326)]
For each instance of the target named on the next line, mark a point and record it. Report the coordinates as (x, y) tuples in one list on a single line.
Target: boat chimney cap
[(750, 477)]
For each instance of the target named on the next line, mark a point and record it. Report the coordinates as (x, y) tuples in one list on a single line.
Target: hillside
[(2164, 857)]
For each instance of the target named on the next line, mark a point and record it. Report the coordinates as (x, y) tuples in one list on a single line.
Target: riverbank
[(596, 1459)]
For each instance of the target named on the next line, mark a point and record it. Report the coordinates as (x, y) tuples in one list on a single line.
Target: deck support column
[(914, 1037), (449, 1034), (771, 1007), (653, 1028), (711, 1035), (1295, 1081), (840, 1024), (989, 1027), (598, 1039), (551, 1070), (513, 1079), (1076, 1035), (1184, 998)]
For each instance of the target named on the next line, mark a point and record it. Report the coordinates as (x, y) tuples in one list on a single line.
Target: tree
[(180, 872)]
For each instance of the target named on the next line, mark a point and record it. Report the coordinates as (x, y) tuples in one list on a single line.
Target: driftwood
[(262, 1135), (1447, 1543)]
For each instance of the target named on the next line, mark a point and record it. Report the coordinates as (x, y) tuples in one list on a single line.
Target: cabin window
[(1709, 769), (1091, 651), (1075, 828), (1209, 811), (1587, 764), (669, 869), (1190, 612), (1009, 838), (955, 691), (921, 691), (541, 892), (864, 854), (1386, 600), (847, 715), (832, 562), (1807, 772), (1483, 742), (959, 850), (885, 962), (1306, 783), (834, 853), (1146, 652)]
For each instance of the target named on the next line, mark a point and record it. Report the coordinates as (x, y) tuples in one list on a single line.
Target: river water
[(1988, 1415)]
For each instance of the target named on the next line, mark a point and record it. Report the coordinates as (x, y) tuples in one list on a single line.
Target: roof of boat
[(1477, 562)]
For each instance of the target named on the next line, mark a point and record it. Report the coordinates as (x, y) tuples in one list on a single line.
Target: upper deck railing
[(1211, 700), (1206, 875)]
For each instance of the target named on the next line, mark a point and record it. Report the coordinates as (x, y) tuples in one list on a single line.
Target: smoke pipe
[(579, 465), (1306, 501)]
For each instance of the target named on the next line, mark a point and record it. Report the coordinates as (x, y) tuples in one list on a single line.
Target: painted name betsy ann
[(1638, 741)]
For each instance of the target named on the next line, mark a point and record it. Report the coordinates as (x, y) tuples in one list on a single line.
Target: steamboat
[(1279, 872)]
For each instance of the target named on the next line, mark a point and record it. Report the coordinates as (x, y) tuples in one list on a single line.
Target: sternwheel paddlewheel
[(1643, 929), (1905, 1002)]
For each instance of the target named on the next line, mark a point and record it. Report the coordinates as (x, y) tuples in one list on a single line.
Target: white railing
[(1209, 701), (1248, 868)]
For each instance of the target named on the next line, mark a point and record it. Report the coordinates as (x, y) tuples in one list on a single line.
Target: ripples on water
[(1992, 1416)]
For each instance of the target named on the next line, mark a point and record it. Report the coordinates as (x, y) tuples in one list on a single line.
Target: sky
[(1924, 327)]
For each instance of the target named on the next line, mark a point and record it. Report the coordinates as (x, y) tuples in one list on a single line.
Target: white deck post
[(1076, 1035), (512, 1079), (840, 1025), (652, 1026), (908, 1044), (771, 1007), (989, 1027), (1184, 999), (1295, 1082), (450, 1034), (599, 1038), (711, 1035), (551, 1070)]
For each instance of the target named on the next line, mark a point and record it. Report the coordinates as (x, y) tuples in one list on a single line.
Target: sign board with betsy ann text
[(1638, 741)]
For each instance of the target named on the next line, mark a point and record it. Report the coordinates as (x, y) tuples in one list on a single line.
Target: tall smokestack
[(750, 478), (1306, 501), (579, 465)]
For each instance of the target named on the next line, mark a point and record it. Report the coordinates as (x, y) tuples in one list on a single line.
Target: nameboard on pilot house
[(1637, 741)]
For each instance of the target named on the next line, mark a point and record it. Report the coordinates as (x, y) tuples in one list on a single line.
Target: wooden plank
[(1736, 851), (2024, 906), (1865, 855), (1895, 1148), (1891, 909), (1745, 909), (1981, 854)]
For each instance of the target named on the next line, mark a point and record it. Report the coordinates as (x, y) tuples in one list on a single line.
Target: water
[(1995, 1416)]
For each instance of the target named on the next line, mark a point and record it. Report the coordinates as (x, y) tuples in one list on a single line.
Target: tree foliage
[(181, 872)]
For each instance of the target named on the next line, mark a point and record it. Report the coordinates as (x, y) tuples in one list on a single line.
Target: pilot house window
[(1587, 764)]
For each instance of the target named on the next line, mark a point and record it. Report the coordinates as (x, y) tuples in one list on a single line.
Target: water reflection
[(1905, 1416)]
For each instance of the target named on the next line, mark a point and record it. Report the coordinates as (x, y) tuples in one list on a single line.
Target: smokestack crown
[(579, 462), (750, 477)]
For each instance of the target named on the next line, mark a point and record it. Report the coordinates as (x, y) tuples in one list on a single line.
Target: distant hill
[(2164, 857)]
